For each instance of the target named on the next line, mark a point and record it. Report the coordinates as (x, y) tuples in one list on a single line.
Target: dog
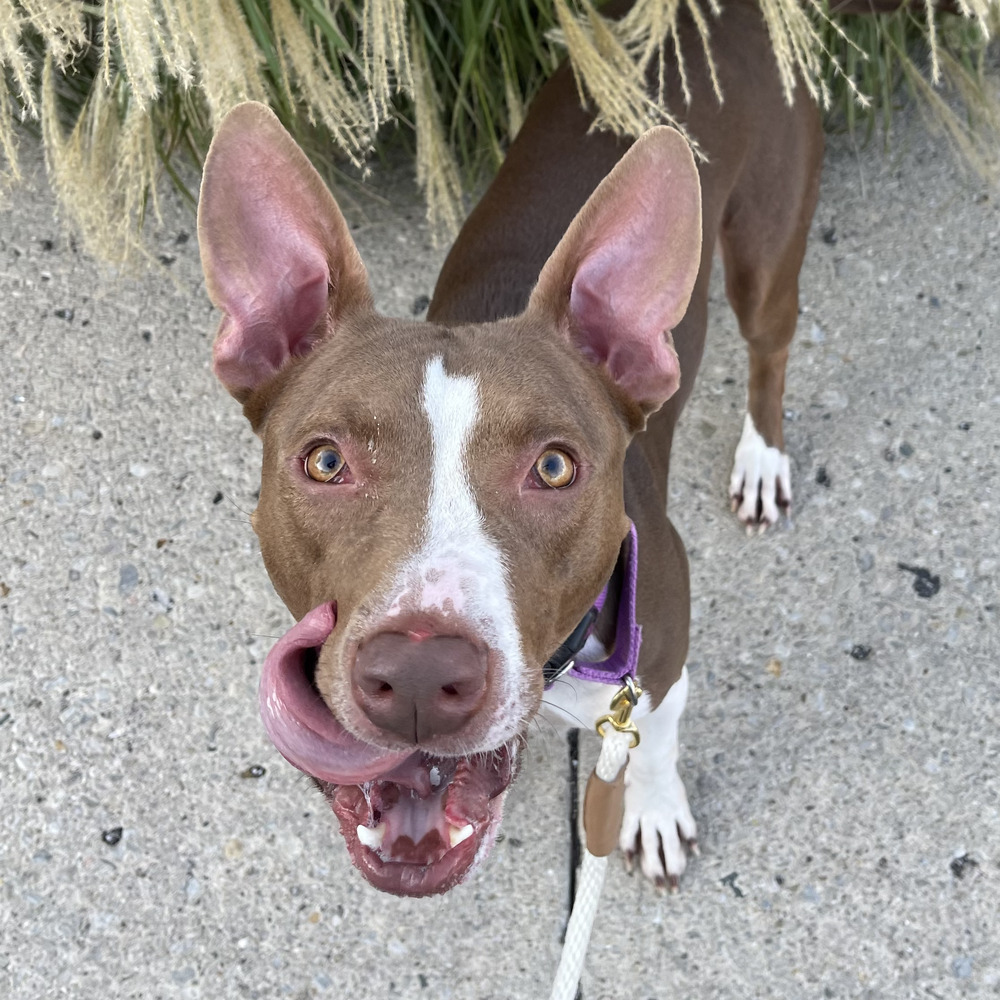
[(457, 510)]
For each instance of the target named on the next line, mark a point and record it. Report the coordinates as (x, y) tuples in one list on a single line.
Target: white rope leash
[(614, 755)]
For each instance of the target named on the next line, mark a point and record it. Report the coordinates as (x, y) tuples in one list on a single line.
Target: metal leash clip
[(620, 716)]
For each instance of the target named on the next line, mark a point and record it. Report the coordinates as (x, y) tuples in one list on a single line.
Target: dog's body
[(441, 503)]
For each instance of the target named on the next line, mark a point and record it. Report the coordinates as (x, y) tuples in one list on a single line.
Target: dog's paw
[(760, 487), (658, 829)]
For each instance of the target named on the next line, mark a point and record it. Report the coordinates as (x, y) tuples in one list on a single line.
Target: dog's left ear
[(622, 276)]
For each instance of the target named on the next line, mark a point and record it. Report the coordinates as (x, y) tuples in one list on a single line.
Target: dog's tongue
[(299, 722)]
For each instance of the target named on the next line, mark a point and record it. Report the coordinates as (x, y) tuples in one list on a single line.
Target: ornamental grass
[(123, 91)]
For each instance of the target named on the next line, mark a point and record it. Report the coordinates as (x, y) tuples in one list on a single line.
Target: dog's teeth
[(371, 837), (435, 776), (457, 834)]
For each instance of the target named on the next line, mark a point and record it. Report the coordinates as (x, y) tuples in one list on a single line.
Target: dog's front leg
[(658, 827)]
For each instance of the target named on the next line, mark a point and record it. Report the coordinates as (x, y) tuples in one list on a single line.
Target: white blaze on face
[(459, 570)]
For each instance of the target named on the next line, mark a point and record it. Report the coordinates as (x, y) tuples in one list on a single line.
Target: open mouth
[(422, 832), (415, 824)]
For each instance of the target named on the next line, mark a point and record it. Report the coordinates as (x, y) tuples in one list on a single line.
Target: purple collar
[(628, 633)]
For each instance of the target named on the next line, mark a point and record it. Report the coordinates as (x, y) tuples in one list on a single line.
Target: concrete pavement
[(841, 744)]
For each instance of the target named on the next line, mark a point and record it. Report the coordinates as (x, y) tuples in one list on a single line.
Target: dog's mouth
[(415, 824), (422, 832)]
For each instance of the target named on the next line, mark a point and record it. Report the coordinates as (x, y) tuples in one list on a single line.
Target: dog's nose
[(419, 688)]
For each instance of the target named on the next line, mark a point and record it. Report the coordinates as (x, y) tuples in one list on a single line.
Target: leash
[(603, 809)]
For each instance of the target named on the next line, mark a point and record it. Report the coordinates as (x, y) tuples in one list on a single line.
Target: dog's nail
[(661, 885), (629, 862), (750, 531), (762, 527), (371, 837), (674, 884), (694, 848)]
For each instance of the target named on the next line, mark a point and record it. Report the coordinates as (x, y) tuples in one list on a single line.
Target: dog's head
[(439, 505)]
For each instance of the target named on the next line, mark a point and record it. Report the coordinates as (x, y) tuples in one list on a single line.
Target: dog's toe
[(761, 505), (658, 831), (760, 487), (661, 851)]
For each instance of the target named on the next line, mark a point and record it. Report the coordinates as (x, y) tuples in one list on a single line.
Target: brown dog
[(443, 503)]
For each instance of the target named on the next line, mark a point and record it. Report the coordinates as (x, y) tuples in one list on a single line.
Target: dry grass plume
[(118, 89)]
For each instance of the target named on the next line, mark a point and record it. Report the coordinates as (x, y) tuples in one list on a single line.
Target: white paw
[(658, 827), (761, 482)]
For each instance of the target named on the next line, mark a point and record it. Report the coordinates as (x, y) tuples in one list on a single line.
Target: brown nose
[(419, 688)]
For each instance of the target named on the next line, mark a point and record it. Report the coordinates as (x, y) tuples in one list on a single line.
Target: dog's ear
[(622, 276), (278, 258)]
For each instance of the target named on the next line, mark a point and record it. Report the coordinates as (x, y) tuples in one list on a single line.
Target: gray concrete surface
[(848, 805)]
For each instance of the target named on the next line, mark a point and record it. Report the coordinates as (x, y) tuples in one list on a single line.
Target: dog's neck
[(605, 645)]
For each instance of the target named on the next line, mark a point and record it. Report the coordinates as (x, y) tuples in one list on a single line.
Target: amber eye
[(555, 468), (324, 464)]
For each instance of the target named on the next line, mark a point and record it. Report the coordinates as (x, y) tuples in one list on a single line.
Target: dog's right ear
[(277, 255)]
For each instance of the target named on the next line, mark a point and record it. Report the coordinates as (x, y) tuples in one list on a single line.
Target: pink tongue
[(299, 722)]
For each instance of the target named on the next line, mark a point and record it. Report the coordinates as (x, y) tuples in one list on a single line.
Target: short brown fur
[(760, 183), (566, 341)]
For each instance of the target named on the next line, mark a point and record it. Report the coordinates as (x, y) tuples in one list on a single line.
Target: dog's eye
[(555, 468), (324, 464)]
